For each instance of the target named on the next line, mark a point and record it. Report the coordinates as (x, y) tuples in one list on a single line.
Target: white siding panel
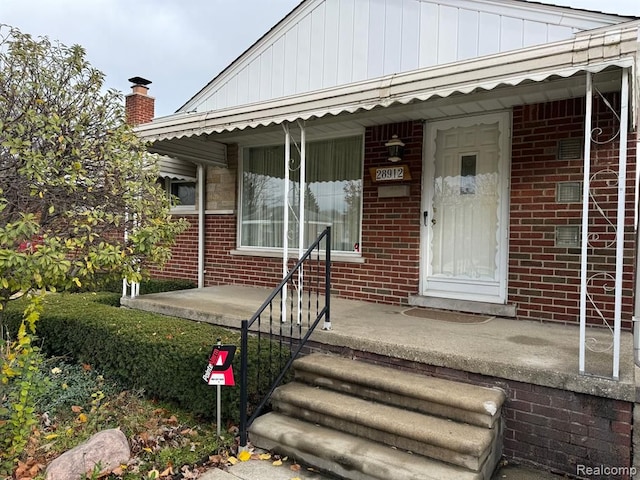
[(448, 35), (278, 73), (511, 33), (558, 32), (232, 95), (325, 43), (535, 33), (375, 65), (360, 41), (221, 96), (489, 34), (410, 35), (331, 33), (303, 71), (392, 36), (243, 86), (317, 47), (346, 42), (290, 61), (266, 65), (254, 81), (429, 34), (468, 21)]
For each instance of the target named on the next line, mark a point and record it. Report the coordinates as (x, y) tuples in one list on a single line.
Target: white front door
[(465, 208)]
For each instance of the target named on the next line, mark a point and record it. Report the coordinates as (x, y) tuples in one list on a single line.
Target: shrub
[(164, 356), (152, 285)]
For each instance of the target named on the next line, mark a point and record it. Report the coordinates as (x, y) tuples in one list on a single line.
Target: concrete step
[(345, 455), (457, 401), (457, 443)]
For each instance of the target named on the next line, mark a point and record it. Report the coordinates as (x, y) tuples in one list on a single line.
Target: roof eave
[(588, 51)]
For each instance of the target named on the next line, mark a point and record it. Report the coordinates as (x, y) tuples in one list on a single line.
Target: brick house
[(470, 155), (482, 212)]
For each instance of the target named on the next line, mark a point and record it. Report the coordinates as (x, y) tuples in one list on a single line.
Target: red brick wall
[(390, 226), (184, 255), (544, 280), (390, 236)]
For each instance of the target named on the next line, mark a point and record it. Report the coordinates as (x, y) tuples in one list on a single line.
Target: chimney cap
[(140, 81)]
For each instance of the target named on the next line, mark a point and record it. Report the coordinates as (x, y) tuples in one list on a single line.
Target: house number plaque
[(395, 173)]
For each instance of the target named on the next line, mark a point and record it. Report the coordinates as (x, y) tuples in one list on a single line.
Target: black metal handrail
[(286, 344)]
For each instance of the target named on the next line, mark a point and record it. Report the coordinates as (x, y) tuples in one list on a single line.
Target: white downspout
[(622, 189), (585, 220), (201, 222)]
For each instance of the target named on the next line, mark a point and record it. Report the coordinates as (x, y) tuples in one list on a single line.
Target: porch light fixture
[(396, 148)]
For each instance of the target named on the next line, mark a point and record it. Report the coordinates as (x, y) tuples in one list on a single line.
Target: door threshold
[(499, 310)]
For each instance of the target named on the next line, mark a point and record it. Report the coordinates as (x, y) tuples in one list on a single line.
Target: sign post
[(219, 372)]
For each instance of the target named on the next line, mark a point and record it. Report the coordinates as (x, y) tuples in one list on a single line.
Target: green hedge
[(146, 286), (164, 356)]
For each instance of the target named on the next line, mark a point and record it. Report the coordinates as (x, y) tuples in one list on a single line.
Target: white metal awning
[(592, 51)]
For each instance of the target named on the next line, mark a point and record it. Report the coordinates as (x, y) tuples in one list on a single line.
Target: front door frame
[(503, 119)]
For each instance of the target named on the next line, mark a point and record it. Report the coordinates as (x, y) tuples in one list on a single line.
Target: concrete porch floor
[(531, 352)]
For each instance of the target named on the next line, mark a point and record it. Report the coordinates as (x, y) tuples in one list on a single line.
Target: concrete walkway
[(265, 470)]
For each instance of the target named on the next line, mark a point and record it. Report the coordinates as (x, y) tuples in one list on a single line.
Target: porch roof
[(590, 51)]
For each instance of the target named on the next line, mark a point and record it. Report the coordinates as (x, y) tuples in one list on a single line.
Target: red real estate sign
[(219, 371)]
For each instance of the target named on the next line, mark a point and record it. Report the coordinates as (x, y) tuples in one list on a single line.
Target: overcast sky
[(180, 45)]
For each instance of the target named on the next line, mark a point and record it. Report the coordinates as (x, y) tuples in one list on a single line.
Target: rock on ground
[(107, 450)]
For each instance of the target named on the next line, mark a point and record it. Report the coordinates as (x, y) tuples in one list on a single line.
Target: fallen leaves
[(275, 459), (244, 456), (27, 470)]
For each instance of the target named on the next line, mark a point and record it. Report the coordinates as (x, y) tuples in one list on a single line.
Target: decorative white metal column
[(585, 219), (201, 222), (587, 280), (301, 216), (285, 215), (288, 167), (622, 194)]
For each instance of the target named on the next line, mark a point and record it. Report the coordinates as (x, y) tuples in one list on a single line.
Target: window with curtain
[(333, 194)]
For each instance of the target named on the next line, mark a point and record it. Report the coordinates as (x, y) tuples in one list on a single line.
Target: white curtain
[(333, 195)]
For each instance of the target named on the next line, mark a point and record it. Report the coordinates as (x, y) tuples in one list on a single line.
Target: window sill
[(183, 211), (335, 256)]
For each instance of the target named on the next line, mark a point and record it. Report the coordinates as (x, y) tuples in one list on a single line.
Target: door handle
[(425, 217)]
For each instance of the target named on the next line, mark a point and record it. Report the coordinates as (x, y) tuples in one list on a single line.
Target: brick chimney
[(139, 107)]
